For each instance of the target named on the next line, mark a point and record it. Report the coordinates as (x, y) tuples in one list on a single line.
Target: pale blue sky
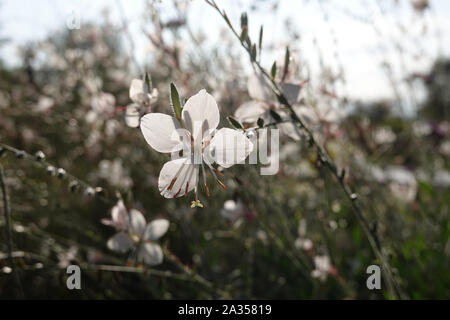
[(360, 49)]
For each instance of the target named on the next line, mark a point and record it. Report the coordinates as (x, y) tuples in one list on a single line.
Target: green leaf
[(253, 52), (273, 71), (260, 122), (426, 187), (235, 123), (244, 35), (287, 58), (275, 115), (244, 20), (176, 104), (148, 86), (260, 39)]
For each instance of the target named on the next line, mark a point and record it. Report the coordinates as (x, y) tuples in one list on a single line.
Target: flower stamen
[(224, 187)]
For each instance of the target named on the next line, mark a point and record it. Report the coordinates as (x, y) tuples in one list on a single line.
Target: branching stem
[(324, 158)]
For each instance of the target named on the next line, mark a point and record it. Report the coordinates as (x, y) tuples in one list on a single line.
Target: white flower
[(445, 148), (65, 258), (200, 143), (322, 267), (403, 183), (44, 104), (103, 103), (302, 242), (119, 217), (233, 210), (263, 101), (114, 172), (140, 236), (142, 102), (384, 135), (442, 178)]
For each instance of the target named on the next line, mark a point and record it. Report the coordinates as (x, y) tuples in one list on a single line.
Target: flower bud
[(99, 191), (61, 173), (39, 156), (20, 154), (50, 170), (90, 191), (74, 186)]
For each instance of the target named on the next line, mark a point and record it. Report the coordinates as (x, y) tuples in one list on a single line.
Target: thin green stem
[(44, 163), (9, 243), (192, 274), (324, 158)]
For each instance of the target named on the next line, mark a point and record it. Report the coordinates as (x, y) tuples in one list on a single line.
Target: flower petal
[(259, 88), (156, 229), (201, 115), (132, 115), (119, 216), (150, 253), (249, 112), (228, 147), (291, 91), (136, 88), (177, 178), (327, 113), (137, 222), (103, 103), (290, 130), (137, 94), (307, 114), (120, 242), (162, 132)]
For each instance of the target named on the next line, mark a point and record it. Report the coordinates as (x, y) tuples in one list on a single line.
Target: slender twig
[(8, 233), (323, 157), (141, 270), (46, 164), (191, 273), (271, 124)]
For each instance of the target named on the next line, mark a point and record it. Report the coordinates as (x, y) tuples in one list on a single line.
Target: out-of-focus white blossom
[(103, 103), (136, 234), (233, 210), (114, 173), (142, 101), (322, 267), (421, 128), (44, 104), (263, 100), (302, 242), (445, 148), (384, 136), (119, 217), (65, 258), (402, 183), (441, 178)]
